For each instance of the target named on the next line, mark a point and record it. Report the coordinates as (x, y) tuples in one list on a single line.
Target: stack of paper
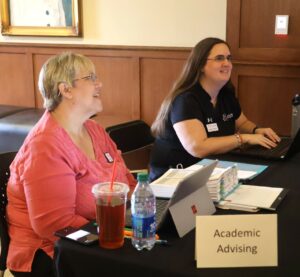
[(167, 183), (252, 198), (221, 183), (246, 171)]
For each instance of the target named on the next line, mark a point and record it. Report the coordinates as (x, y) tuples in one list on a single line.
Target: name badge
[(212, 127), (108, 157)]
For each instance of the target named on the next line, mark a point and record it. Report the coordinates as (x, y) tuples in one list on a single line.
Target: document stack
[(246, 171), (251, 198), (222, 182)]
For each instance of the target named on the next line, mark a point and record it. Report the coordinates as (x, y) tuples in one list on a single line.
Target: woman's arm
[(245, 126), (193, 138), (50, 192)]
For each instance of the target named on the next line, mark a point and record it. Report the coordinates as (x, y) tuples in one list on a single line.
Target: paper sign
[(236, 240)]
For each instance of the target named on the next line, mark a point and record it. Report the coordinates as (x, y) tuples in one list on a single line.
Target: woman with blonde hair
[(63, 156)]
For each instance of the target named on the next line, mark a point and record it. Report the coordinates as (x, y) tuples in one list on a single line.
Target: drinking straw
[(128, 233), (113, 176)]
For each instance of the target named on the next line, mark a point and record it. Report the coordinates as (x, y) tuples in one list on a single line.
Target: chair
[(135, 140), (5, 161), (15, 127), (6, 110)]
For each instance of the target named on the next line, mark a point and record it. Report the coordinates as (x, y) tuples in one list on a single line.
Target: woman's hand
[(258, 139), (269, 133)]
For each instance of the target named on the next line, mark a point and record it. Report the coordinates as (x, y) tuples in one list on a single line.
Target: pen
[(158, 241), (162, 242)]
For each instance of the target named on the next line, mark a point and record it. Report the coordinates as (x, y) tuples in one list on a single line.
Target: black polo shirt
[(193, 104)]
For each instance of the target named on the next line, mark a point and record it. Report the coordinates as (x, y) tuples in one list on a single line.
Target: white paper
[(245, 174), (255, 196), (165, 185)]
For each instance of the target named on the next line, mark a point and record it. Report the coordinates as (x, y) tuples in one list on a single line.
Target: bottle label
[(143, 227)]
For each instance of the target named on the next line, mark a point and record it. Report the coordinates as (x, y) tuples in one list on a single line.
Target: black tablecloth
[(177, 259)]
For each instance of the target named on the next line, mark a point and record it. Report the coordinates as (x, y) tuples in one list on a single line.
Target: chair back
[(138, 159), (135, 140), (131, 135), (5, 161)]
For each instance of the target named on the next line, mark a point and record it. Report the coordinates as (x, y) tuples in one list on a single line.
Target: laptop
[(285, 149), (190, 198)]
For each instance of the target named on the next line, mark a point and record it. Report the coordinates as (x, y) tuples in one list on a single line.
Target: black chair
[(135, 140), (131, 135), (5, 161), (6, 110), (15, 127)]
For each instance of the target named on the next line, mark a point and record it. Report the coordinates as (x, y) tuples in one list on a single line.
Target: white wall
[(179, 23)]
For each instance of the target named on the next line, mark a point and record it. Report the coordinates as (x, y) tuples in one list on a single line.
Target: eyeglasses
[(221, 58), (93, 77)]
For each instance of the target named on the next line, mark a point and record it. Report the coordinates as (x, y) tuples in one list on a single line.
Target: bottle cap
[(296, 100), (142, 176)]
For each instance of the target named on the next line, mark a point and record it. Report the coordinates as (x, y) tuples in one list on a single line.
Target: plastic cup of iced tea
[(110, 213)]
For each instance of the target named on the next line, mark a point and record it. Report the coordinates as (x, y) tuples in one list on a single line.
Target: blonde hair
[(59, 69)]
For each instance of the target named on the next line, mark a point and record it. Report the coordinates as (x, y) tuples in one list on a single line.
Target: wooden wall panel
[(15, 79), (266, 93), (38, 61), (270, 101), (120, 91), (266, 69), (119, 76), (250, 31), (258, 18), (135, 79), (157, 78)]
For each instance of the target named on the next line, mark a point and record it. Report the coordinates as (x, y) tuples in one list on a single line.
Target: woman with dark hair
[(201, 115)]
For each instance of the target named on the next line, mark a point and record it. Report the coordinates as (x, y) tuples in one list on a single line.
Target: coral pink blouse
[(50, 187)]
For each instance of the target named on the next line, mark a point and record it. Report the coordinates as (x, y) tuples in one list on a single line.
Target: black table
[(177, 259)]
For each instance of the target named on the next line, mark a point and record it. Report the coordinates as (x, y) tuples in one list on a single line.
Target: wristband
[(239, 140), (254, 129)]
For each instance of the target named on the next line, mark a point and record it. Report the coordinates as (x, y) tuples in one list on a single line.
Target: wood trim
[(94, 46), (233, 25), (30, 75)]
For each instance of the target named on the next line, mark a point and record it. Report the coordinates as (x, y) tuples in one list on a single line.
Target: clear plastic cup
[(110, 213)]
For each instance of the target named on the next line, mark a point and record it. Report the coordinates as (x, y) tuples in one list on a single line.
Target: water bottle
[(143, 209), (295, 114)]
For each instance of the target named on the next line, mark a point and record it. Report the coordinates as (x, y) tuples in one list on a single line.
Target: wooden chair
[(135, 140), (5, 161)]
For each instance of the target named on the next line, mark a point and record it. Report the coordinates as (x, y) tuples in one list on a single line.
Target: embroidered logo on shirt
[(226, 117), (209, 119), (108, 157)]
